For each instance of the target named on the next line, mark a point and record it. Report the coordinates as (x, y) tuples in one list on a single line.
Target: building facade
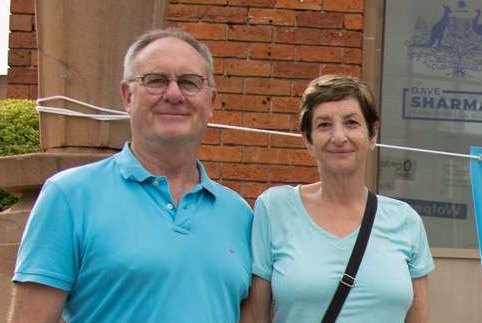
[(421, 59)]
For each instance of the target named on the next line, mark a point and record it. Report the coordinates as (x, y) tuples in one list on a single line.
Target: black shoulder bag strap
[(347, 281)]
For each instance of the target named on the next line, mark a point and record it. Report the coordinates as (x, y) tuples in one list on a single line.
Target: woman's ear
[(374, 138), (308, 145)]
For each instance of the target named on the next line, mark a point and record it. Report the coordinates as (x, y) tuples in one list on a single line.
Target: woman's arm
[(257, 307), (418, 312)]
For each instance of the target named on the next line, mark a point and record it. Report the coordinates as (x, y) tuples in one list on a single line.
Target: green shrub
[(19, 134)]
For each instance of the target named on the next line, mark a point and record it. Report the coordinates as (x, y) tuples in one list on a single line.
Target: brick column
[(22, 77)]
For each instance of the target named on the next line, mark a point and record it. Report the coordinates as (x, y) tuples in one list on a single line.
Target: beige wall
[(3, 86), (455, 287)]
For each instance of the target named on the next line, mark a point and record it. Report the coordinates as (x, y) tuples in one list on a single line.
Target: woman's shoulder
[(388, 201), (280, 191), (393, 207)]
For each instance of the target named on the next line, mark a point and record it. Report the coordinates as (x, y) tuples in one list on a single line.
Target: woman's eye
[(322, 125), (352, 123)]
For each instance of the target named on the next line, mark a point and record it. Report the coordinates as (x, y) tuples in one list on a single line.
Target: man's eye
[(187, 83), (155, 81), (190, 82)]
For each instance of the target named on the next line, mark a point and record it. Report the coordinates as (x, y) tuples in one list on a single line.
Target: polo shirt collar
[(131, 169)]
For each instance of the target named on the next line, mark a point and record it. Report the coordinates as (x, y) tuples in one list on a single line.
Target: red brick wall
[(22, 76), (265, 51)]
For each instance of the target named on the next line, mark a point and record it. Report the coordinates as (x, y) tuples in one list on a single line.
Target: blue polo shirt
[(110, 235)]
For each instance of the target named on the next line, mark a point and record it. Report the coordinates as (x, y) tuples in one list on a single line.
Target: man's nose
[(173, 92)]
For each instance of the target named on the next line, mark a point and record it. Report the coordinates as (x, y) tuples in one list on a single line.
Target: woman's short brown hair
[(328, 88)]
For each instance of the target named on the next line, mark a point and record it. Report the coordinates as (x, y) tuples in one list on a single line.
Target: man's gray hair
[(156, 34)]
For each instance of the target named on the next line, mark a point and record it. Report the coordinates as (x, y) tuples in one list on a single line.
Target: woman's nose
[(338, 135)]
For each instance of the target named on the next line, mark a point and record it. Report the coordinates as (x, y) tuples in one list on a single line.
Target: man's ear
[(126, 93), (214, 95)]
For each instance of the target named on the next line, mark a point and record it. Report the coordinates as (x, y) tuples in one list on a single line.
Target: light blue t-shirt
[(110, 235), (304, 263)]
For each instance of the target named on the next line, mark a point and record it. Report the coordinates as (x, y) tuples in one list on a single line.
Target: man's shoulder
[(93, 170), (228, 194)]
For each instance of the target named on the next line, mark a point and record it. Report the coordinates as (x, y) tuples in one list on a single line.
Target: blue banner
[(476, 179)]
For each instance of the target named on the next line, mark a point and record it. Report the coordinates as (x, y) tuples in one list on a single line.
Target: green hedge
[(19, 134)]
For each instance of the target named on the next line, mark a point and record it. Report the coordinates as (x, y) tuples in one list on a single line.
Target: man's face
[(171, 115)]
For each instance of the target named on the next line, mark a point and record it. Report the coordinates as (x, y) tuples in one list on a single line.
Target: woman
[(303, 235)]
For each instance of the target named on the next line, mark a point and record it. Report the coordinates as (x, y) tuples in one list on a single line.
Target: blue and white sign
[(450, 43), (432, 99), (441, 104)]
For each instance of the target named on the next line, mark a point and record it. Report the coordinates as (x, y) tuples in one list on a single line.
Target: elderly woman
[(303, 235)]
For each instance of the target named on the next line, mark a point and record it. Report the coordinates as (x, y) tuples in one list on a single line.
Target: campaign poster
[(431, 98)]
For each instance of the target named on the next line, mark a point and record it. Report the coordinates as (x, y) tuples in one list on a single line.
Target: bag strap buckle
[(348, 280)]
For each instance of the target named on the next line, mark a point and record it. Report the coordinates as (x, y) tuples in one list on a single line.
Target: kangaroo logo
[(475, 23), (451, 44), (437, 32)]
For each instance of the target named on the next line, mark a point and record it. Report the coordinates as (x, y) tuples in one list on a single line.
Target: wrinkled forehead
[(169, 50)]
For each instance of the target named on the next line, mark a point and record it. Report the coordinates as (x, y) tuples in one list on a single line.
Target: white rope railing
[(111, 114)]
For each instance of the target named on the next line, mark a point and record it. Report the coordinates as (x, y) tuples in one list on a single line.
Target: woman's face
[(339, 137)]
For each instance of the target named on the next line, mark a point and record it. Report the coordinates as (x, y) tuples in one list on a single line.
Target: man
[(143, 236)]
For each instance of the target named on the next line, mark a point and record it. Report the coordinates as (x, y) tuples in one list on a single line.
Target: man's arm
[(36, 303)]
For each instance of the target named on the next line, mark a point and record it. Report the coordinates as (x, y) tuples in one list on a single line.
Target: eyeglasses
[(157, 84)]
